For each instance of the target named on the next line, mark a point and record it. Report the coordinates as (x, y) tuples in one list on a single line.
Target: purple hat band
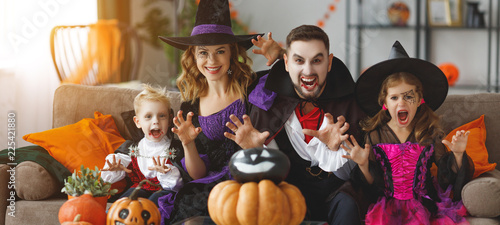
[(211, 28)]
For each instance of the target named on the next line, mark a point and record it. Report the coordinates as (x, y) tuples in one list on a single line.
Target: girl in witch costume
[(215, 76), (403, 140), (152, 157)]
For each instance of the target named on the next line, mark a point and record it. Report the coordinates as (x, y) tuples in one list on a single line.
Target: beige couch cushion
[(481, 195), (33, 182)]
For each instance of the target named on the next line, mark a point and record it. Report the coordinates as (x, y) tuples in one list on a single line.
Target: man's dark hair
[(307, 33)]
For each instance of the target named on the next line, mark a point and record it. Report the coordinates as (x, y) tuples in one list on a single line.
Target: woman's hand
[(245, 135), (268, 48), (185, 129), (116, 166), (159, 165)]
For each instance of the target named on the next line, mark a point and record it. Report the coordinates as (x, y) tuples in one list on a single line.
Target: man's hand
[(333, 134), (159, 165), (116, 166), (245, 135), (185, 129), (268, 48)]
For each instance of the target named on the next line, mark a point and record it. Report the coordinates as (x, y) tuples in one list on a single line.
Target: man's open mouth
[(309, 82)]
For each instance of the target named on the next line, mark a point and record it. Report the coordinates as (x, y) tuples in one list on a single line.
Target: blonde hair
[(151, 93), (192, 84), (426, 122)]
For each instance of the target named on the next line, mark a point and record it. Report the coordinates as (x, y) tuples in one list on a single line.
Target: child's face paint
[(402, 103)]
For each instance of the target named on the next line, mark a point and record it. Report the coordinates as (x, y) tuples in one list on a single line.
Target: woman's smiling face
[(402, 102), (213, 61)]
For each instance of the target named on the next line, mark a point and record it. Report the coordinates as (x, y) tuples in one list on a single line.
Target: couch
[(38, 192)]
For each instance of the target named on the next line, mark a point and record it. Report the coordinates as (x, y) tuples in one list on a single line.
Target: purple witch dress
[(215, 150)]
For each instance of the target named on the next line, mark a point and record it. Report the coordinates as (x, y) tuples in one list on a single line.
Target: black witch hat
[(433, 80), (212, 27)]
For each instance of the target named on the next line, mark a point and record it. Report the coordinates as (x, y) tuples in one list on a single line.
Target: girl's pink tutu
[(412, 212)]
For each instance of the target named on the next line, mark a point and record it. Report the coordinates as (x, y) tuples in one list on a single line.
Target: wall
[(28, 78), (465, 48)]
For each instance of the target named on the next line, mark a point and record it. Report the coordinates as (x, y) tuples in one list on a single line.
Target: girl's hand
[(458, 142), (159, 166), (245, 135), (333, 134), (268, 48), (116, 166), (356, 153), (185, 129)]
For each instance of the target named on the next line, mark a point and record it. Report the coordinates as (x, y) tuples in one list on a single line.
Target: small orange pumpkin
[(91, 211), (451, 72), (252, 203), (76, 221), (133, 210)]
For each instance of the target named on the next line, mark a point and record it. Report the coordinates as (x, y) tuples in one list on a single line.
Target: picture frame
[(438, 12), (456, 12)]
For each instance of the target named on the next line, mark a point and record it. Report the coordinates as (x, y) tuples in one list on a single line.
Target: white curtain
[(27, 75)]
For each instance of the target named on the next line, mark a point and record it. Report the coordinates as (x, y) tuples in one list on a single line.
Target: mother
[(213, 85)]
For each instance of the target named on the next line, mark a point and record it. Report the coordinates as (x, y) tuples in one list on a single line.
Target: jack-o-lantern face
[(131, 212), (259, 163)]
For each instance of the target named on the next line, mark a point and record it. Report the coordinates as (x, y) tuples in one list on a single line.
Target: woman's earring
[(422, 101), (229, 71), (383, 107)]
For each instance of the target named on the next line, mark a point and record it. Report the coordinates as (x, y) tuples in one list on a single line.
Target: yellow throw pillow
[(476, 148), (86, 142)]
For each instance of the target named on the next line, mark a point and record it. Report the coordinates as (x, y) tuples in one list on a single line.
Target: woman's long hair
[(192, 84), (426, 122)]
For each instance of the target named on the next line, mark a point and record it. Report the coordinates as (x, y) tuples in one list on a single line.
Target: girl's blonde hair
[(426, 122), (192, 84), (151, 93)]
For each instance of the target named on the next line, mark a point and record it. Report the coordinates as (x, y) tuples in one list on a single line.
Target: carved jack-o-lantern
[(259, 163), (134, 210)]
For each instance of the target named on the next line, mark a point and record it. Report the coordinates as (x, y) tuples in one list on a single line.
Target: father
[(310, 88)]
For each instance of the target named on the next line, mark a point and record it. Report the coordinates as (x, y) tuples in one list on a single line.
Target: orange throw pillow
[(476, 148), (86, 142)]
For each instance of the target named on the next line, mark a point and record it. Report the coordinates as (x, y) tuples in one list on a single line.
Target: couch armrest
[(4, 191), (481, 196)]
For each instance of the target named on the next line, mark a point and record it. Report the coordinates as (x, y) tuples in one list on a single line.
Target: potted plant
[(88, 180)]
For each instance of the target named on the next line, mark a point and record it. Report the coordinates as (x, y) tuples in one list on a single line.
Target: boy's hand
[(116, 166), (159, 165), (185, 129)]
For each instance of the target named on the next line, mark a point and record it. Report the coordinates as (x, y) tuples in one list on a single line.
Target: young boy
[(151, 157)]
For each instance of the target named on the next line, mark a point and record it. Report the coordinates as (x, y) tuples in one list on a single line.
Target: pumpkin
[(398, 13), (76, 221), (133, 210), (251, 203), (89, 209), (255, 164), (451, 72)]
